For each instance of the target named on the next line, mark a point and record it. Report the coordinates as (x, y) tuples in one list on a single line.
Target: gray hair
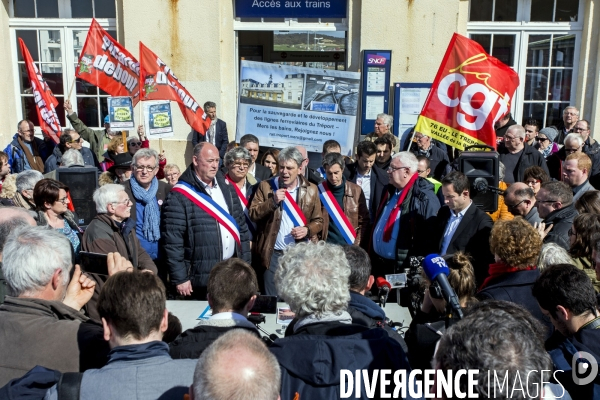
[(12, 218), (571, 137), (571, 108), (257, 378), (331, 159), (171, 166), (237, 153), (291, 154), (313, 279), (552, 254), (408, 159), (387, 119), (518, 130), (71, 157), (31, 256), (27, 179), (501, 170), (105, 195), (144, 153)]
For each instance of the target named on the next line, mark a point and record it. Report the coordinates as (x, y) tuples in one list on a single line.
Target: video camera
[(412, 295)]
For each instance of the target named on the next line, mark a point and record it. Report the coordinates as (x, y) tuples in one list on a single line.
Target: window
[(493, 10), (63, 9)]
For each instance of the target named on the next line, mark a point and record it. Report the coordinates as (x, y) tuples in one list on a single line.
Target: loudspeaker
[(82, 182), (482, 169)]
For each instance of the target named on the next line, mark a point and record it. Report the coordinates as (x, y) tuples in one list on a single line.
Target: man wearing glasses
[(26, 151), (570, 118), (70, 139), (583, 128), (574, 143), (517, 155), (439, 163), (97, 138), (555, 206), (520, 200)]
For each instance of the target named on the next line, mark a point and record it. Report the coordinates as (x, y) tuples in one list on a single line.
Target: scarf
[(427, 152), (547, 151), (389, 224), (498, 269), (343, 317), (151, 223), (21, 201), (34, 160)]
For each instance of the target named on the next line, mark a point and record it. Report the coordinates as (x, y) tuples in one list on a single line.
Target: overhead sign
[(290, 9)]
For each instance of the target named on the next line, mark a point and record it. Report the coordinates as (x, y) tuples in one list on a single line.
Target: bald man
[(520, 200), (202, 224), (307, 172)]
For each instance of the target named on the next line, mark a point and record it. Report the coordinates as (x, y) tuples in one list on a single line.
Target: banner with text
[(287, 106), (45, 102), (105, 63), (472, 90), (291, 9)]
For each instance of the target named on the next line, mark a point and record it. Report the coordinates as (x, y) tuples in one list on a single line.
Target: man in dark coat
[(216, 133), (26, 151), (461, 226), (194, 240), (555, 206), (517, 156), (503, 124), (438, 158), (70, 139), (257, 172)]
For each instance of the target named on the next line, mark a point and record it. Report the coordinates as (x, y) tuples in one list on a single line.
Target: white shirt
[(453, 223), (284, 236), (252, 170), (364, 181), (227, 239), (229, 315), (211, 134)]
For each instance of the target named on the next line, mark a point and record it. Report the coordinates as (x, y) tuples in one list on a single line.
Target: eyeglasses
[(241, 165), (512, 207), (541, 139), (572, 150), (147, 168), (64, 200), (420, 137), (136, 144), (172, 174), (571, 233), (576, 129), (570, 113), (533, 182), (26, 130), (511, 138), (392, 169), (124, 202), (76, 140)]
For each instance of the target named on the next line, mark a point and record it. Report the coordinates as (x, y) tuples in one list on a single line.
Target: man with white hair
[(70, 140), (405, 217), (323, 339), (287, 210), (569, 119), (72, 158), (40, 320), (574, 143), (25, 182), (517, 155), (383, 125)]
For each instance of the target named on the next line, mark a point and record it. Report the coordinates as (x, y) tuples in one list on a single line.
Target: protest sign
[(45, 102), (120, 112), (471, 91), (105, 63), (158, 120), (158, 82), (287, 106)]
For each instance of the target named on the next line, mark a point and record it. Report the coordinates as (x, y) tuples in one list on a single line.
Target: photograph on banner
[(120, 112), (158, 120), (287, 105)]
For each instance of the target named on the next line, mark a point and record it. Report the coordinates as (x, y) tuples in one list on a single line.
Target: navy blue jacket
[(53, 162), (16, 155)]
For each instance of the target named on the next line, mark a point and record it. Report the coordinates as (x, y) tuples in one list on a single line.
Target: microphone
[(384, 288), (281, 186), (437, 270)]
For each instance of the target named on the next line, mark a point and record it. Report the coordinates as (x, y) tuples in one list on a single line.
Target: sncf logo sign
[(374, 59)]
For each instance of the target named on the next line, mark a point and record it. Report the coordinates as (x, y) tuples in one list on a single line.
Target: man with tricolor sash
[(345, 213), (286, 210), (202, 223)]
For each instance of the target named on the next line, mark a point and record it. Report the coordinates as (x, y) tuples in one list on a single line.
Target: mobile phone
[(94, 263), (265, 305)]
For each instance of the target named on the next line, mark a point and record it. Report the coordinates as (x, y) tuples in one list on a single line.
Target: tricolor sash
[(336, 213), (290, 206), (244, 202), (206, 203)]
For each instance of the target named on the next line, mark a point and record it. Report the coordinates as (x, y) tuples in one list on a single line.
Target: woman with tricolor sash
[(344, 207), (237, 161)]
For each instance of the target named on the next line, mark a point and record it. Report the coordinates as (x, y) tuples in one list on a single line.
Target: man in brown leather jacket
[(278, 221), (350, 198)]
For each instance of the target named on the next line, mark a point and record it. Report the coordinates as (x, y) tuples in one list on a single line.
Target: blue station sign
[(290, 9)]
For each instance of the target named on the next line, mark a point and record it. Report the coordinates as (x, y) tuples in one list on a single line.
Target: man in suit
[(217, 132), (256, 172), (461, 226)]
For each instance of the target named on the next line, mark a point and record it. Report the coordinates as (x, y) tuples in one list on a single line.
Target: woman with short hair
[(172, 173), (237, 161)]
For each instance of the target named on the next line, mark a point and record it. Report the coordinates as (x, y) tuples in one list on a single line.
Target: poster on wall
[(287, 106), (120, 111), (158, 119)]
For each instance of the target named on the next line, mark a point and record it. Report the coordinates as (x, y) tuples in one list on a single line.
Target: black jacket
[(439, 163), (472, 236), (53, 162), (221, 137), (379, 180), (262, 173), (190, 237), (529, 157), (561, 221), (500, 132)]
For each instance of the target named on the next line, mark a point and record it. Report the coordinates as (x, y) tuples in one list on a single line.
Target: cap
[(122, 160), (107, 120)]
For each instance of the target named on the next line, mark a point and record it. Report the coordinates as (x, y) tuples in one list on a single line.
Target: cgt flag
[(158, 82), (105, 63), (45, 102), (472, 90)]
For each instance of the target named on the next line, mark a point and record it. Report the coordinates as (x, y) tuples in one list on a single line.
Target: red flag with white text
[(472, 90), (105, 63), (158, 82), (45, 102)]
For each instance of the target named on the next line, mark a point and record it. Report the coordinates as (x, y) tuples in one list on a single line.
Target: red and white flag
[(45, 102), (158, 82)]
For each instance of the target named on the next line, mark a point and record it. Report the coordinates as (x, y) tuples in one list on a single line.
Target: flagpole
[(72, 86)]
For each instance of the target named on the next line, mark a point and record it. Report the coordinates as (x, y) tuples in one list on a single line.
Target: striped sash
[(336, 214)]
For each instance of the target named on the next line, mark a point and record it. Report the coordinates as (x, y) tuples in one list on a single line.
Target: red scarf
[(389, 225), (499, 269)]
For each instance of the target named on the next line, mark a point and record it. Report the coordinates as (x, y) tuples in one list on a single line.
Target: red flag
[(472, 90), (105, 63), (45, 102), (158, 82)]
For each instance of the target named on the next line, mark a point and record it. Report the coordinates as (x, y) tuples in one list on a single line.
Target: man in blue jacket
[(26, 151)]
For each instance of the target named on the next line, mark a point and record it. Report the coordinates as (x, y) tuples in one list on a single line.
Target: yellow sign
[(161, 120), (444, 133), (122, 114)]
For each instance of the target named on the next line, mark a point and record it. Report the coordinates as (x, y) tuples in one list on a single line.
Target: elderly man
[(503, 124), (72, 158), (287, 210), (257, 171), (27, 152), (405, 218), (25, 182), (383, 125), (40, 320), (520, 201), (574, 143), (202, 224), (217, 132), (310, 271), (345, 213), (555, 205), (517, 156), (583, 128), (147, 194), (70, 139), (98, 138), (439, 163), (121, 169), (569, 119), (576, 171), (305, 170)]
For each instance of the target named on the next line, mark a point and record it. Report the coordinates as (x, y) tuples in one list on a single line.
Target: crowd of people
[(239, 222)]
